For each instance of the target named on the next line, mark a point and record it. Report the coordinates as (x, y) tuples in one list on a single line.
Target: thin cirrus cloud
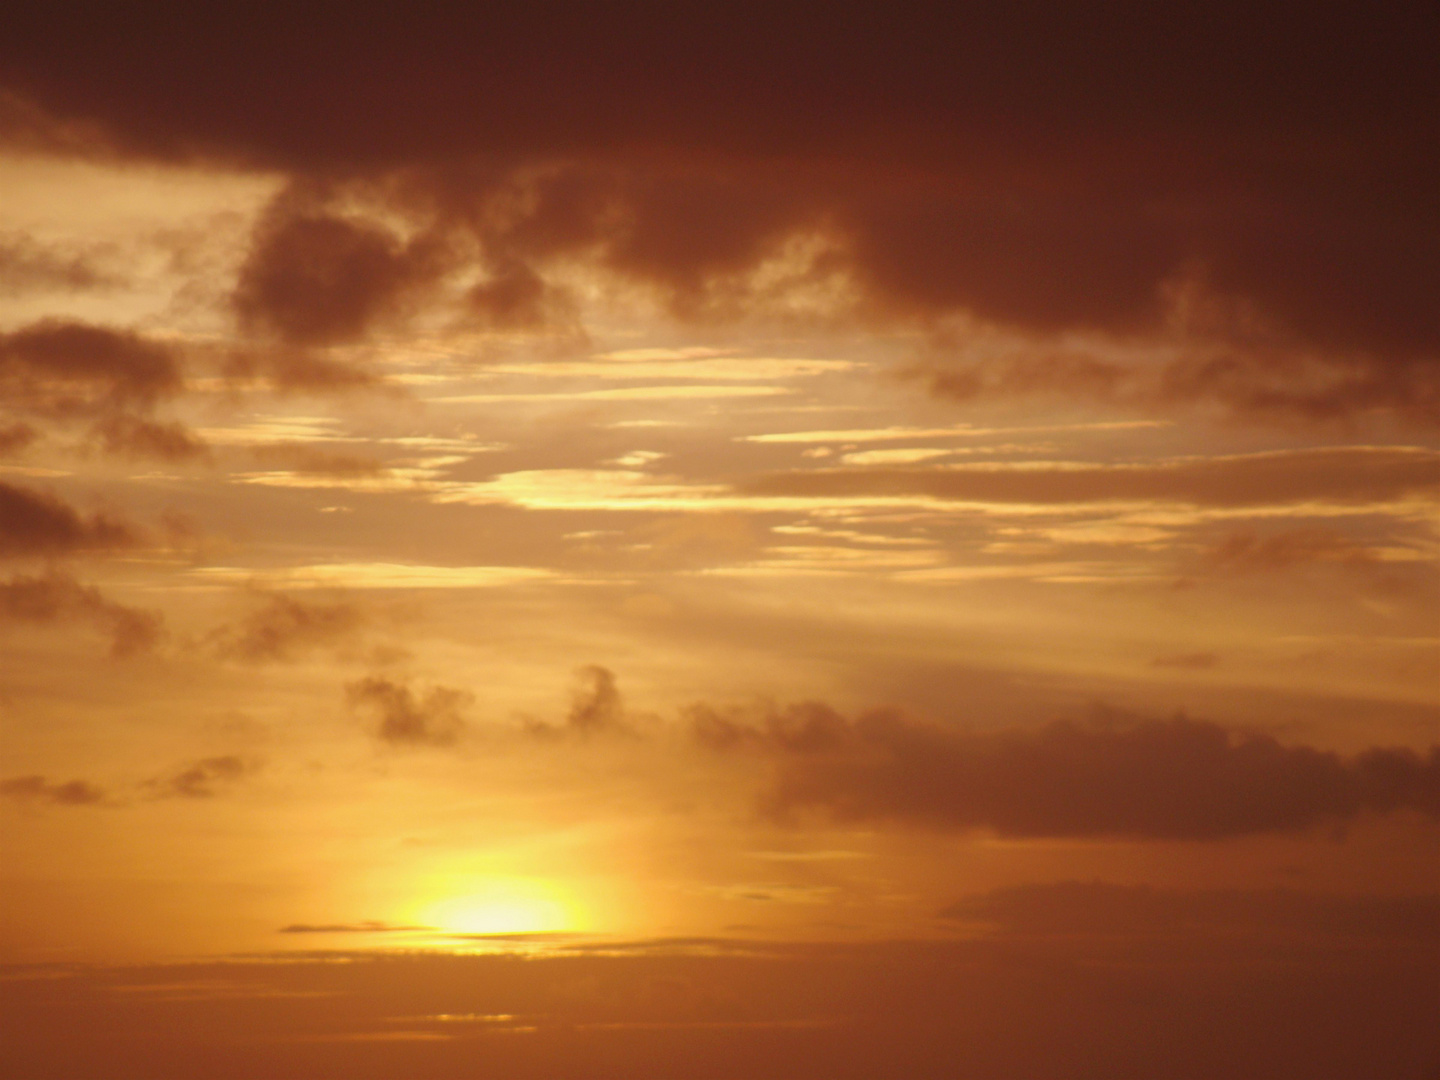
[(906, 169)]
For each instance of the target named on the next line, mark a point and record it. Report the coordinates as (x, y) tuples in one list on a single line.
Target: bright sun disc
[(503, 906)]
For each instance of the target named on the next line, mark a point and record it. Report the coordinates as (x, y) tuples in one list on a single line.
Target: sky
[(776, 541)]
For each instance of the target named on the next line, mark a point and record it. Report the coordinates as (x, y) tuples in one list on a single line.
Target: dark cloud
[(1177, 779), (1046, 169), (1266, 380), (405, 718), (596, 707), (36, 523), (315, 278), (596, 704), (202, 779), (61, 358), (113, 379), (1074, 908), (55, 597), (284, 628), (1342, 474), (39, 789), (14, 438)]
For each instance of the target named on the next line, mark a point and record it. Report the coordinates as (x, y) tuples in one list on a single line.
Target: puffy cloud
[(1176, 779), (1341, 474), (64, 371), (36, 523), (405, 718), (202, 779), (65, 362), (40, 790), (282, 628), (316, 278), (55, 596), (596, 707)]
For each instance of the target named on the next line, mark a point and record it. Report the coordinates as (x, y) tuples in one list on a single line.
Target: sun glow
[(504, 906)]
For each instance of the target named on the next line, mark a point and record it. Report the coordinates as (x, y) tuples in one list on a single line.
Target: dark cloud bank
[(1178, 779), (1251, 182)]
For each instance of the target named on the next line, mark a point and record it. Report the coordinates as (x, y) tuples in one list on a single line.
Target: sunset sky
[(636, 540)]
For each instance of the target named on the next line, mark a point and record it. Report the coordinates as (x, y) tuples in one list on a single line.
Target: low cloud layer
[(1177, 779)]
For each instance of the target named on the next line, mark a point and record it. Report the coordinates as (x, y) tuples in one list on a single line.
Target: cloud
[(39, 789), (313, 278), (368, 927), (405, 718), (596, 707), (1177, 779), (303, 458), (14, 438), (283, 628), (1089, 909), (1047, 173), (36, 523), (130, 436), (1356, 474), (1250, 552), (202, 779), (1269, 379), (55, 596), (61, 370), (54, 360), (27, 265)]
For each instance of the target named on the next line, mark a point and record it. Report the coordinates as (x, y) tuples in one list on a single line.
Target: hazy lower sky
[(768, 542)]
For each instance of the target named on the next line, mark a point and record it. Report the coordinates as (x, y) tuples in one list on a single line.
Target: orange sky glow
[(617, 542)]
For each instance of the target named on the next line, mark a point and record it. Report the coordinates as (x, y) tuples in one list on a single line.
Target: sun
[(507, 905)]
